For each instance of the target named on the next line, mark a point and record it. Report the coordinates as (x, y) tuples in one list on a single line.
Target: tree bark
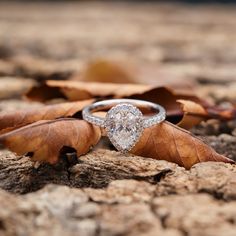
[(106, 193)]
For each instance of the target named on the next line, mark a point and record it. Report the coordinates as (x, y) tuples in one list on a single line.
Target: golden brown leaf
[(169, 142), (45, 139), (16, 119), (167, 97), (193, 114), (106, 71), (76, 90), (220, 113), (128, 71)]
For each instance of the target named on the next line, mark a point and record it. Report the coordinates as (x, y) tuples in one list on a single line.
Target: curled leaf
[(16, 119), (44, 140), (193, 114), (171, 143)]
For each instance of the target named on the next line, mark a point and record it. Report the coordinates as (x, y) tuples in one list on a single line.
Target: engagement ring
[(124, 122)]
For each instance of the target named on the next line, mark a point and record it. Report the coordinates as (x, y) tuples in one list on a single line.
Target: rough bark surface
[(110, 194), (104, 192)]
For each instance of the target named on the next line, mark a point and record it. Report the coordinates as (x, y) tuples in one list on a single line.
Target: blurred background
[(148, 41)]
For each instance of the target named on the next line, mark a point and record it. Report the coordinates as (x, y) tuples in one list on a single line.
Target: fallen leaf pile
[(45, 132)]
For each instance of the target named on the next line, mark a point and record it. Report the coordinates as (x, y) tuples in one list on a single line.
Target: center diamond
[(124, 126)]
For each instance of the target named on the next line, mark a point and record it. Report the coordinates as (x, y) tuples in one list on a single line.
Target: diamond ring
[(124, 122)]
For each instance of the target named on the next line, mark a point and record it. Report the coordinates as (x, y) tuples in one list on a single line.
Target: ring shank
[(101, 105)]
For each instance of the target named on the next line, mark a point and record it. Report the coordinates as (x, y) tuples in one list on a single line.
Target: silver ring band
[(98, 106), (124, 122)]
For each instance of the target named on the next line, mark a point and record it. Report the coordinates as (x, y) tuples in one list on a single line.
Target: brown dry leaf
[(129, 71), (16, 119), (193, 114), (169, 142), (183, 108), (107, 71), (46, 139), (168, 98), (221, 114), (75, 90), (14, 87)]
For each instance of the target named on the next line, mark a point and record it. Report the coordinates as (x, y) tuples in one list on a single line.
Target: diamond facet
[(124, 126)]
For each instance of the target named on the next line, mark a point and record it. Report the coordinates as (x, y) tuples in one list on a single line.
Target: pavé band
[(124, 122)]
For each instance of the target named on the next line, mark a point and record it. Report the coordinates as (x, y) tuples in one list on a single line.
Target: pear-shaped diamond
[(124, 125)]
